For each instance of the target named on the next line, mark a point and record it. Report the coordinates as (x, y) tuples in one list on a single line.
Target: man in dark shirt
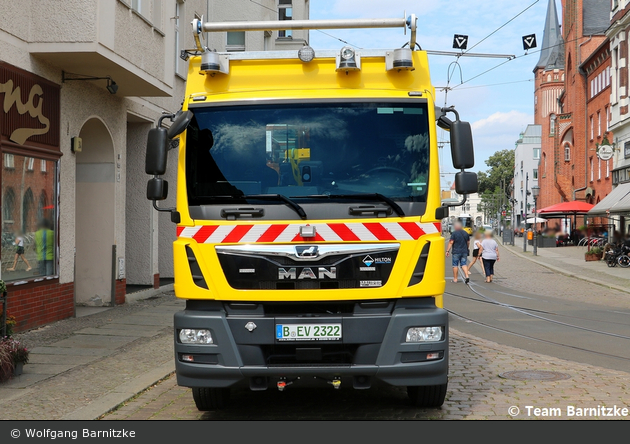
[(459, 245)]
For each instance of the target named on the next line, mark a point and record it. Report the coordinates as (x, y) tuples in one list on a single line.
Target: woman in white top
[(19, 253), (489, 250), (475, 252)]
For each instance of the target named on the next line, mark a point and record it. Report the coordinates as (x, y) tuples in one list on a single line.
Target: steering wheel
[(383, 169)]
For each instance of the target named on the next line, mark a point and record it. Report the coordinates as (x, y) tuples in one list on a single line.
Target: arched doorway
[(94, 209)]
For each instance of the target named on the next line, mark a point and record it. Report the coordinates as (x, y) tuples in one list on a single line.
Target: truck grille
[(331, 267)]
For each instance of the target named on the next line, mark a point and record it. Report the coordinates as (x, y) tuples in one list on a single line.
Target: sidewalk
[(81, 368), (570, 261)]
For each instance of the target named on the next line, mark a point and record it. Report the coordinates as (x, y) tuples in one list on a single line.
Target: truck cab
[(308, 218)]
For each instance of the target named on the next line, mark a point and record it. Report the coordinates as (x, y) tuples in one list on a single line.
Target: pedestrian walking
[(489, 250), (19, 253), (459, 245), (475, 252)]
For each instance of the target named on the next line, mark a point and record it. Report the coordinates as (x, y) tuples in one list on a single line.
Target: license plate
[(308, 332)]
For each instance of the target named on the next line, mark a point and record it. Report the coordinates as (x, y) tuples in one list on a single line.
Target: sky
[(498, 113)]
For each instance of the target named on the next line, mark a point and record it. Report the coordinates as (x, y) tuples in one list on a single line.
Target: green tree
[(500, 172), (494, 184)]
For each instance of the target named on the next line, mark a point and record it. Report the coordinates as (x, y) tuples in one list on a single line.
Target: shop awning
[(566, 208), (617, 202)]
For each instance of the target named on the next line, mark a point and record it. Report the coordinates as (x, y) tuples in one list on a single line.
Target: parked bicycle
[(617, 255)]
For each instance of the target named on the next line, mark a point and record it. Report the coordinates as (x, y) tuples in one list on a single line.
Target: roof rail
[(410, 22)]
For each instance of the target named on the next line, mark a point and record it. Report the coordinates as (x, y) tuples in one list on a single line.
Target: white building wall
[(526, 164)]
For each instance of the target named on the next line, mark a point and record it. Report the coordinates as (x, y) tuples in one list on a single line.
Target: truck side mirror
[(462, 150), (157, 189), (157, 151), (466, 183), (180, 124)]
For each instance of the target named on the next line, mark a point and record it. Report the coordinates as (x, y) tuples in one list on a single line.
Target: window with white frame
[(599, 124), (607, 168), (156, 14), (235, 41), (607, 117), (567, 152), (592, 172), (536, 153), (180, 65), (136, 5), (599, 169), (592, 129), (285, 12), (30, 163), (9, 161), (42, 167), (535, 174), (552, 125)]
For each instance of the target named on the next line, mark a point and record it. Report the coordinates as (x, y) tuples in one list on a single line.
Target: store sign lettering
[(13, 97)]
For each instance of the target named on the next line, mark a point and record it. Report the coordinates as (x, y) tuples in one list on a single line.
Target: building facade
[(596, 68), (567, 162), (82, 82), (527, 155), (549, 85), (619, 123)]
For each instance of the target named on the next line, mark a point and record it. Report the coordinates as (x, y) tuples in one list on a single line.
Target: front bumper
[(373, 347)]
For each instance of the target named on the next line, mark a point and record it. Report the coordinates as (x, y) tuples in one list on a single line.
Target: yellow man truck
[(308, 216)]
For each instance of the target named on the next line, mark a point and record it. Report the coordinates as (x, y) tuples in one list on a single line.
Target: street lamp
[(525, 224), (535, 193)]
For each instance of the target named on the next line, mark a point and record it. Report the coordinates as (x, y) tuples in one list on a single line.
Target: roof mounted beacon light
[(400, 59), (212, 62), (348, 60)]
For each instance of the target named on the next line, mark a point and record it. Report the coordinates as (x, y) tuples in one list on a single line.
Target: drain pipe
[(586, 126)]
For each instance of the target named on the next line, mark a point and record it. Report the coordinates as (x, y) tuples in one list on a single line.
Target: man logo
[(306, 251), (308, 273)]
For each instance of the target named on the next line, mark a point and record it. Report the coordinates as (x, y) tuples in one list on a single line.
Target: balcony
[(115, 42)]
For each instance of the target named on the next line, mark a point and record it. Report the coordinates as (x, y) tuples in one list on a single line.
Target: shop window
[(29, 219)]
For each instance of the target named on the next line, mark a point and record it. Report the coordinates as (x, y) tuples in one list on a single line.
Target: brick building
[(563, 105), (549, 85), (596, 68)]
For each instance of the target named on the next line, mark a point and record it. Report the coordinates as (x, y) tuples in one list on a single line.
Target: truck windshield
[(302, 150)]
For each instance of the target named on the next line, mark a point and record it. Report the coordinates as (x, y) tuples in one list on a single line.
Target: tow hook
[(336, 383)]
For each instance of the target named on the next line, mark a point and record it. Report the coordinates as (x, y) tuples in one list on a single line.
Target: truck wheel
[(427, 396), (210, 398)]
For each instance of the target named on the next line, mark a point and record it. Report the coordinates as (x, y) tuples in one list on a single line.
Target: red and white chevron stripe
[(339, 232)]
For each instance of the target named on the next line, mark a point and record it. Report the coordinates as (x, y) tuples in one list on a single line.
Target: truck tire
[(429, 396), (210, 398)]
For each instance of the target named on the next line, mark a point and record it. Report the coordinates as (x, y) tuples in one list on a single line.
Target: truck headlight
[(195, 336), (425, 334)]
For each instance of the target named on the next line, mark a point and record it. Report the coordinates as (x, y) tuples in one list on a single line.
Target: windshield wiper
[(367, 196), (279, 198)]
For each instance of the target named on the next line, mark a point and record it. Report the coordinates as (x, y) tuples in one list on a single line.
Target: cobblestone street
[(475, 392)]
